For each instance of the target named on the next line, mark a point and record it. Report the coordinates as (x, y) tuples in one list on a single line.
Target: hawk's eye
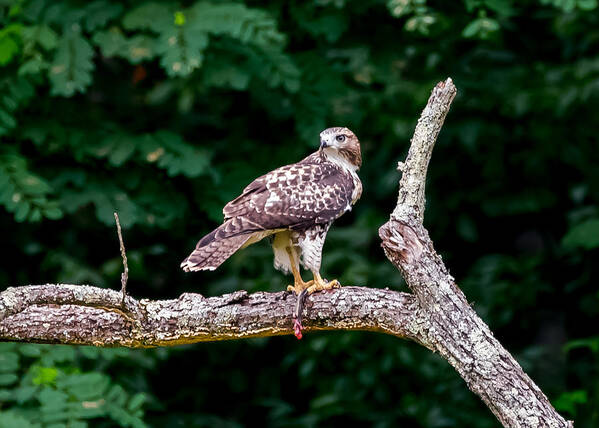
[(340, 138)]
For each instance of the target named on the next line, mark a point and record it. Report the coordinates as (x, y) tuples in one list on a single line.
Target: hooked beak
[(323, 144)]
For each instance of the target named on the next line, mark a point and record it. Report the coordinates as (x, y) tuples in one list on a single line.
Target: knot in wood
[(401, 242)]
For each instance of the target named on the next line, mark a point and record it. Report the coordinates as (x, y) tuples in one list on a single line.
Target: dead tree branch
[(84, 315), (437, 314), (454, 329)]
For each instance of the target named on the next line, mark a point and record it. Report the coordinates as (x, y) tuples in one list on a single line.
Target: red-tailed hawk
[(293, 205)]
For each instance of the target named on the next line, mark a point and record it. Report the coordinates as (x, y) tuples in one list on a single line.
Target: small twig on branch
[(125, 274)]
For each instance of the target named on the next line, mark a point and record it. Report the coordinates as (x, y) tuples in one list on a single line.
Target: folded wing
[(294, 196), (297, 196)]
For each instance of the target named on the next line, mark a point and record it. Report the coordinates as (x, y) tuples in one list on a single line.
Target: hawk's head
[(342, 144)]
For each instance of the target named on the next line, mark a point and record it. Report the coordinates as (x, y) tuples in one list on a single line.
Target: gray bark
[(454, 329), (436, 314), (85, 315)]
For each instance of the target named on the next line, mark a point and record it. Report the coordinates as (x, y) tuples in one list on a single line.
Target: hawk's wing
[(297, 196), (293, 196)]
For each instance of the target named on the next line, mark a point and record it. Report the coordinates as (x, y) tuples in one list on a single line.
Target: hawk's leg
[(299, 284), (321, 284)]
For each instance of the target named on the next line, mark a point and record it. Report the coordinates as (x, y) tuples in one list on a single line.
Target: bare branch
[(125, 274), (411, 198), (456, 331), (77, 314)]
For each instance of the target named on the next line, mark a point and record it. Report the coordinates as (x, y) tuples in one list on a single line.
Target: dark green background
[(165, 111)]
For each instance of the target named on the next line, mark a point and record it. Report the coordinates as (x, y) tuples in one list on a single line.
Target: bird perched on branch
[(294, 206)]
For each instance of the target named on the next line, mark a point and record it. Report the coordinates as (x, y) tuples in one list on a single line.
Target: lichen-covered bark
[(410, 201), (77, 314), (453, 328), (437, 314)]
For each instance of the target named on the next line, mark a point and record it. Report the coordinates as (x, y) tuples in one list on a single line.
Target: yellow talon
[(298, 283), (313, 285), (299, 286), (321, 284)]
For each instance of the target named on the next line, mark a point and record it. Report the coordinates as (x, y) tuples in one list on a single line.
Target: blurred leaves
[(421, 17), (113, 42), (25, 194), (62, 394), (183, 34), (71, 70), (568, 400), (585, 235), (9, 45), (570, 5), (482, 27), (16, 92)]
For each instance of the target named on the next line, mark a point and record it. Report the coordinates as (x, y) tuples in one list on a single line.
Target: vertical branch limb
[(454, 329), (411, 199)]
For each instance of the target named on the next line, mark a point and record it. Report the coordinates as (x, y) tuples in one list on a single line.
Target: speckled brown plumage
[(300, 200)]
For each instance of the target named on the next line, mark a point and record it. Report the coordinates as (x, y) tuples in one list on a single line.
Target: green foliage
[(570, 5), (41, 385), (568, 400), (16, 92), (482, 27), (112, 42), (23, 193), (9, 46), (585, 235), (591, 343), (164, 111), (183, 35), (421, 19), (71, 70)]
